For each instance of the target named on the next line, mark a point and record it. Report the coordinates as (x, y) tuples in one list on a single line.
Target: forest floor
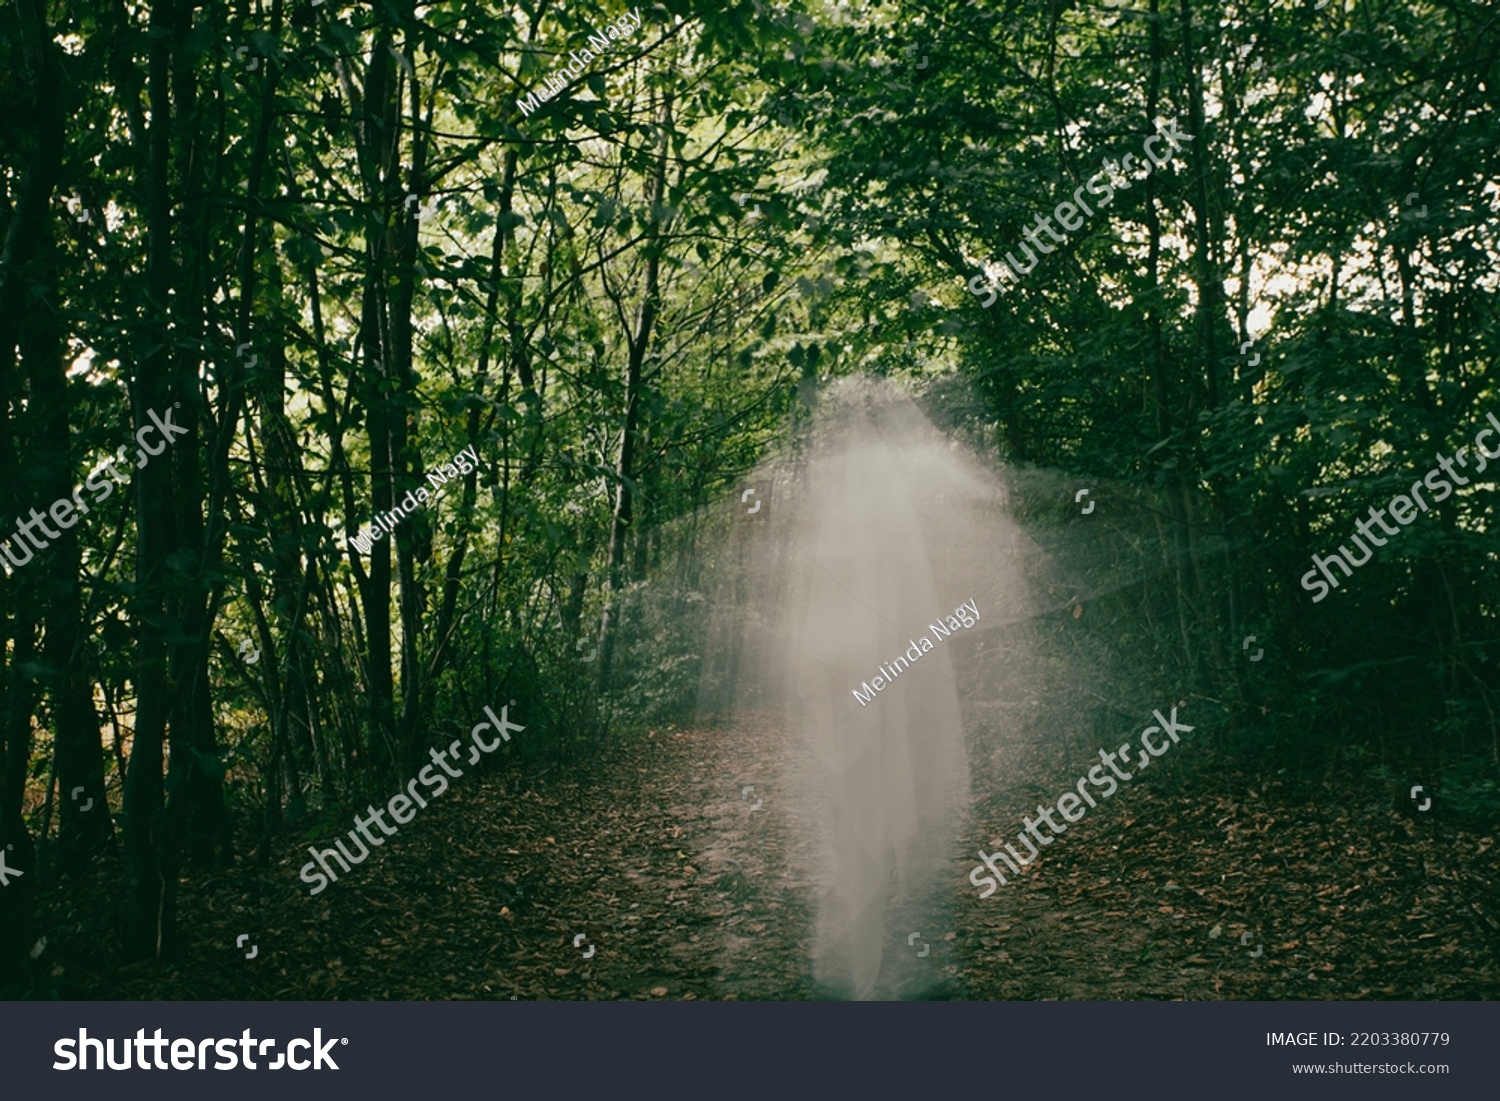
[(1206, 881)]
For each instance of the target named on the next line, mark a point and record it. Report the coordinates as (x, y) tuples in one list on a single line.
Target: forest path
[(685, 888), (651, 851)]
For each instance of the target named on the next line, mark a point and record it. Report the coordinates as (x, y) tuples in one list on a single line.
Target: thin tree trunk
[(413, 536), (376, 115), (640, 341), (196, 815), (79, 750), (1164, 382), (150, 875)]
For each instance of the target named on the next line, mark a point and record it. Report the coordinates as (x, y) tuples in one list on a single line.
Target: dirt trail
[(652, 851), (684, 887)]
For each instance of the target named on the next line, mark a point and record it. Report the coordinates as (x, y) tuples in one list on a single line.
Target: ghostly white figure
[(890, 781)]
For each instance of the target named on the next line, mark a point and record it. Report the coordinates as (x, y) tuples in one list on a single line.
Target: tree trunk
[(34, 54), (640, 341), (375, 147), (150, 873), (79, 750)]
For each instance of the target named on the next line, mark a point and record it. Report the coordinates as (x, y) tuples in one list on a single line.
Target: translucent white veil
[(889, 779)]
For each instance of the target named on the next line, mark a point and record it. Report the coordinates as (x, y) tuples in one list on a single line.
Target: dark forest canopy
[(328, 244)]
